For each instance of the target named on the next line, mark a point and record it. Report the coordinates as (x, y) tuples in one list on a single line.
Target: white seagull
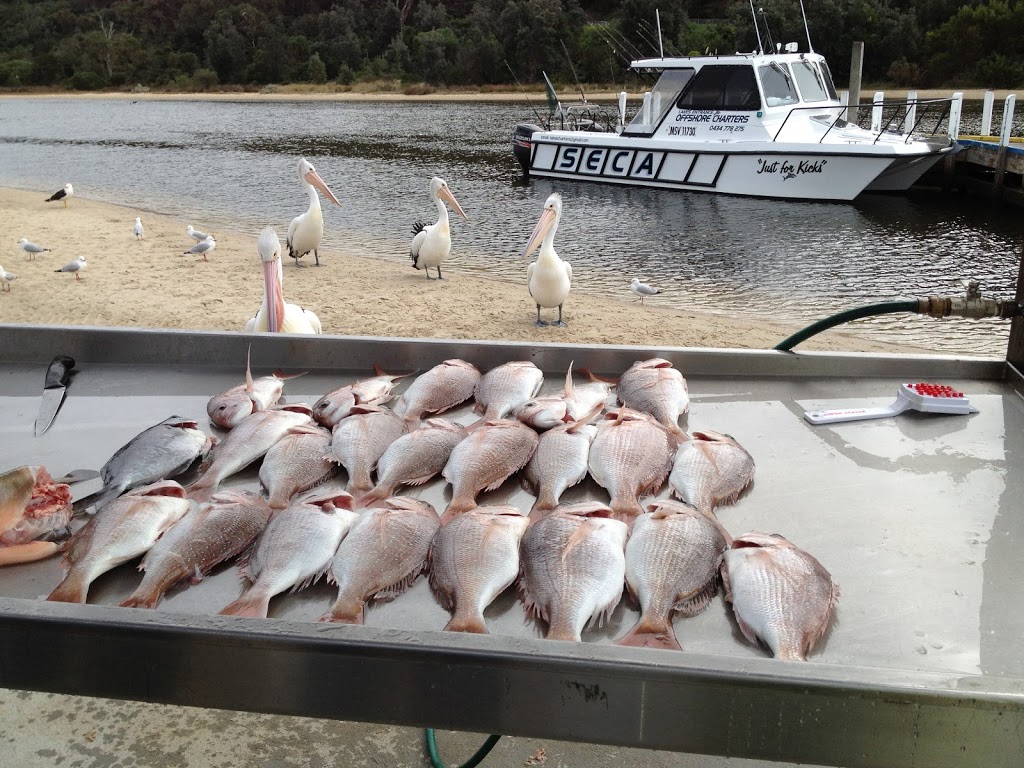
[(548, 278), (432, 242), (62, 194), (306, 231), (196, 235), (137, 229), (75, 266), (274, 315), (31, 248), (205, 247), (6, 278), (642, 289)]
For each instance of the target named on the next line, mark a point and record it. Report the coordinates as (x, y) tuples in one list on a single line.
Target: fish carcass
[(673, 558), (503, 389), (780, 594), (559, 463), (383, 553), (440, 389), (573, 567), (300, 460), (710, 470), (32, 505), (336, 405), (415, 457), (360, 440), (473, 559), (655, 387)]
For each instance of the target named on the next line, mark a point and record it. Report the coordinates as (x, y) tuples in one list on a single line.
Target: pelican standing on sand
[(642, 289), (6, 278), (62, 194), (548, 278), (275, 316), (137, 229), (205, 247), (432, 242), (306, 231), (31, 248), (75, 266)]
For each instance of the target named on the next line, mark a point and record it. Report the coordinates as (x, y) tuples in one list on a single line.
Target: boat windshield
[(723, 87), (777, 84), (827, 74), (810, 81), (663, 94)]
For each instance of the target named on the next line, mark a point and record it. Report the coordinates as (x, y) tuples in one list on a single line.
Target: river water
[(232, 164)]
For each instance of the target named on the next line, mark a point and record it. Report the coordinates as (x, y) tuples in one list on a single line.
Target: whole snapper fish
[(780, 594), (294, 551), (160, 452), (573, 566), (473, 559), (575, 402), (673, 558), (336, 405), (32, 506), (503, 389), (126, 528), (227, 409), (384, 552), (710, 470), (247, 442), (580, 399), (300, 460), (207, 535), (559, 462), (440, 389), (415, 457), (360, 440), (485, 460), (630, 457), (655, 387)]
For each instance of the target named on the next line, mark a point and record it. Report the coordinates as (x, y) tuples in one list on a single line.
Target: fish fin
[(400, 586), (197, 574), (473, 624), (699, 600), (651, 634), (147, 599), (586, 418), (278, 373), (581, 532), (312, 579), (542, 506), (626, 509), (569, 390), (248, 372), (254, 603), (74, 589), (345, 612), (97, 500), (594, 377), (444, 597), (28, 552), (746, 629), (457, 506), (378, 371), (419, 480), (562, 633)]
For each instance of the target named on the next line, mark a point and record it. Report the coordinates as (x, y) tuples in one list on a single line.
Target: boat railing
[(584, 117), (910, 118)]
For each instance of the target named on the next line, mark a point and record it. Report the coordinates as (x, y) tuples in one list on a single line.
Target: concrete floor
[(47, 730)]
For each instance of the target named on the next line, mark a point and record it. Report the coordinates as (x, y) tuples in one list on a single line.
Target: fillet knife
[(57, 377)]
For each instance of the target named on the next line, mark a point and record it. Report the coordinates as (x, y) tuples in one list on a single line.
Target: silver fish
[(710, 470), (336, 405), (32, 505), (415, 457), (573, 566), (485, 460), (501, 390), (630, 457), (440, 389), (655, 387), (673, 558), (294, 551), (780, 594), (207, 535), (559, 463), (360, 440), (125, 529), (384, 552), (160, 452), (473, 559), (300, 460), (227, 409)]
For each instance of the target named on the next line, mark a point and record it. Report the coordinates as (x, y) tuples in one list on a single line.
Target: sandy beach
[(152, 284)]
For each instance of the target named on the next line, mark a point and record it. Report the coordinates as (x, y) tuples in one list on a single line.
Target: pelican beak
[(544, 224), (275, 296), (314, 178), (446, 195)]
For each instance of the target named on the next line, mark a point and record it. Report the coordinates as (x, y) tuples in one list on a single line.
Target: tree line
[(209, 44)]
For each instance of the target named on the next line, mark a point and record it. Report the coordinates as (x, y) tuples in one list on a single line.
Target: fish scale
[(360, 440), (415, 457), (559, 463), (443, 387), (710, 470), (297, 462), (655, 387), (504, 388)]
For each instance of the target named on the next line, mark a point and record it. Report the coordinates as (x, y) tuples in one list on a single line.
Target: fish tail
[(255, 603), (458, 506), (649, 633), (375, 494), (346, 612), (74, 589), (472, 623), (545, 503), (143, 598), (563, 633), (626, 508)]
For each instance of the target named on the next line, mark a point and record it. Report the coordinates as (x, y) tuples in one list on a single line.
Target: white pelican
[(306, 231), (642, 289), (431, 243), (274, 315), (62, 194), (548, 278), (196, 235), (31, 248), (137, 229), (75, 266), (6, 278), (205, 247)]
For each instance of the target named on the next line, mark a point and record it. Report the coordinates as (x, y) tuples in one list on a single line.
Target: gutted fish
[(710, 470), (573, 566), (415, 457), (474, 557), (440, 389), (559, 463), (336, 405), (655, 387), (360, 440), (384, 552), (32, 506), (126, 528), (294, 551), (227, 409), (209, 534), (780, 594), (297, 462), (503, 389), (673, 558)]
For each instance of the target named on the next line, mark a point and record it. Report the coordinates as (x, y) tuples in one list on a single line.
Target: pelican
[(62, 194), (548, 278), (195, 234), (6, 278), (306, 231), (205, 247), (137, 229), (31, 248), (75, 266), (274, 315), (431, 243), (642, 289)]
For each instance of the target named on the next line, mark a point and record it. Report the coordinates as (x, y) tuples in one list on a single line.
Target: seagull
[(432, 242), (196, 235), (642, 289), (31, 248), (548, 278), (205, 247), (306, 231), (6, 278), (62, 194), (137, 229), (75, 266), (274, 315)]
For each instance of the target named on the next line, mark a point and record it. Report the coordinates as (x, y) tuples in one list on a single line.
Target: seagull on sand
[(31, 248), (137, 229), (642, 290), (196, 235), (6, 278), (204, 247), (75, 266), (62, 194)]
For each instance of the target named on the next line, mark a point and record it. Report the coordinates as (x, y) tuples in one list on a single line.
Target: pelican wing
[(568, 270), (418, 240), (529, 277)]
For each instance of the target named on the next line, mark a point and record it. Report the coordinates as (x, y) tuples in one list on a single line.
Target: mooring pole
[(1015, 349), (856, 68)]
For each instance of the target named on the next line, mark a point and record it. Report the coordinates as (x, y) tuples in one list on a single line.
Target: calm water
[(233, 165)]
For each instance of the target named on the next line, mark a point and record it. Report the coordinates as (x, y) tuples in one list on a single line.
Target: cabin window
[(810, 81), (777, 84), (663, 94), (828, 81), (722, 86)]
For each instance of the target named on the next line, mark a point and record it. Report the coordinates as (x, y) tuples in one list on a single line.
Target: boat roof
[(754, 58)]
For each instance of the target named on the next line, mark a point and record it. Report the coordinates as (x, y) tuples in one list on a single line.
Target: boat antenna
[(806, 28), (757, 29), (573, 70), (534, 109), (657, 18), (767, 29)]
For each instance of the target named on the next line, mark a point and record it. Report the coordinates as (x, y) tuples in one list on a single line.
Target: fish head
[(408, 503), (586, 509), (763, 540), (228, 409), (161, 488), (543, 413), (654, 362), (334, 406)]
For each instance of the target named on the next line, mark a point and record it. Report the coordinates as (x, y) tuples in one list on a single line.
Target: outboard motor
[(522, 144)]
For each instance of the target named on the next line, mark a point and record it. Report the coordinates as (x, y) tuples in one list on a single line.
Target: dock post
[(911, 120), (986, 114), (949, 164), (856, 67), (622, 109), (1004, 143), (876, 112), (1015, 349)]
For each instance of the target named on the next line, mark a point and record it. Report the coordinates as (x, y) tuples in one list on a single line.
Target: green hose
[(476, 759), (884, 308)]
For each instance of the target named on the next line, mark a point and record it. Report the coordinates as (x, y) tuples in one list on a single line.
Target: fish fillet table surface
[(917, 517)]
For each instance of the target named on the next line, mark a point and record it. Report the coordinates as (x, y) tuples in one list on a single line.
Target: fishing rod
[(573, 70), (757, 29), (610, 42), (667, 45), (767, 29), (535, 113)]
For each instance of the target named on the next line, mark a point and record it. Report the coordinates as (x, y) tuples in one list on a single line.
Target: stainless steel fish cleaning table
[(919, 518)]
